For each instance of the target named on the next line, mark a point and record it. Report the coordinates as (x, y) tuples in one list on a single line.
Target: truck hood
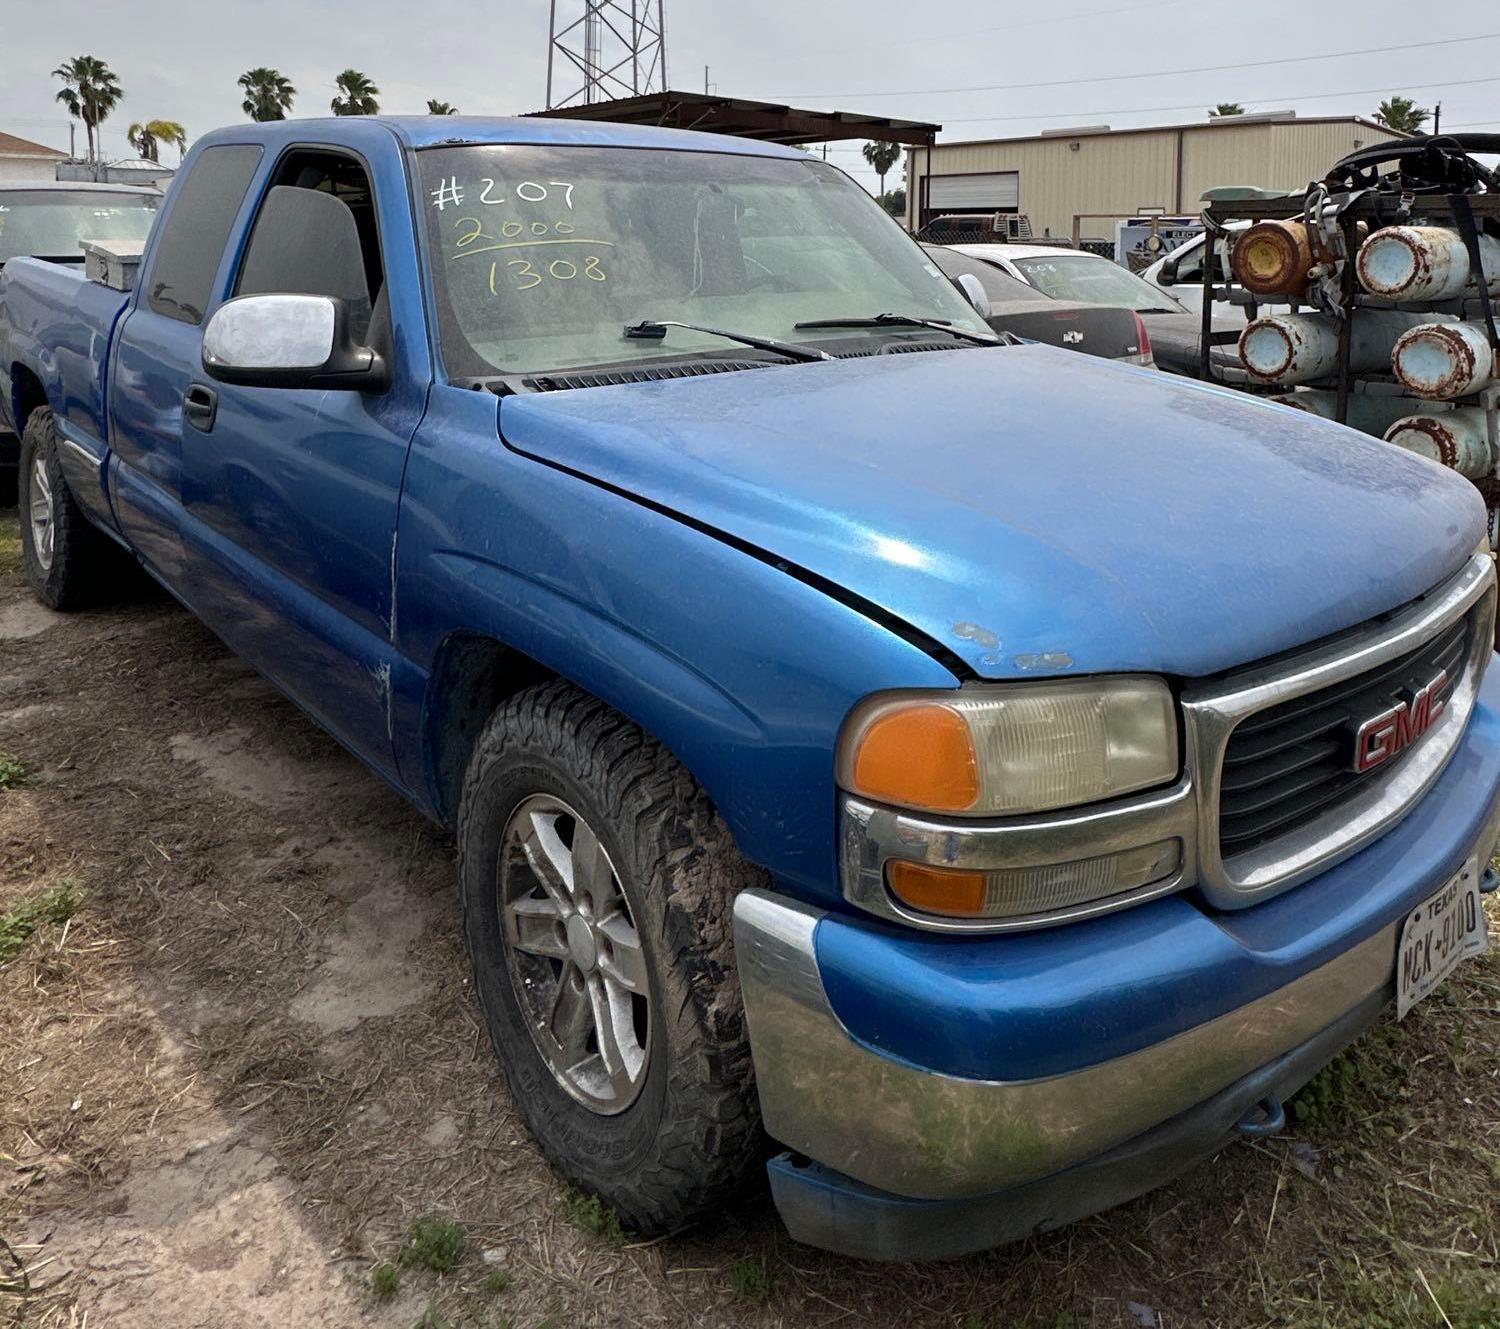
[(1032, 510)]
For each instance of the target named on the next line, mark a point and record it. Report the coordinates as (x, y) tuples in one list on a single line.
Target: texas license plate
[(1439, 934)]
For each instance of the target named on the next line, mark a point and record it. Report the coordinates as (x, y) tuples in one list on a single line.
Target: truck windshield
[(542, 255), (49, 223)]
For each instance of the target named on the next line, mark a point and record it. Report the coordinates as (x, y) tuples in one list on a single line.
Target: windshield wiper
[(910, 321), (656, 329)]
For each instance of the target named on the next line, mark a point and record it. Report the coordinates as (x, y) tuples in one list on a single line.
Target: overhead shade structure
[(767, 121)]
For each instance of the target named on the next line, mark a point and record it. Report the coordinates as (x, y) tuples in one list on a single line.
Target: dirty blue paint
[(1092, 517)]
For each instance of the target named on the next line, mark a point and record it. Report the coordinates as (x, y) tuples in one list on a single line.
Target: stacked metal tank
[(1427, 380)]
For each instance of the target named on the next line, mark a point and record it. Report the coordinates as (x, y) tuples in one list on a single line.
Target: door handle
[(200, 404)]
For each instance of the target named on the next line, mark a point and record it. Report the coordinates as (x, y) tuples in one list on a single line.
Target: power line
[(1052, 21), (1189, 106), (1156, 73)]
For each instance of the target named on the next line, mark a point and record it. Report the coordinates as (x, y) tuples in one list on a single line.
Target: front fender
[(744, 672)]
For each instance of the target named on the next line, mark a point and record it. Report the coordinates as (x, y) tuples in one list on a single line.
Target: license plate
[(1439, 934)]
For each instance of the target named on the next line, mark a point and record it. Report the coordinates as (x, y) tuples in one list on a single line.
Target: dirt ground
[(239, 1057)]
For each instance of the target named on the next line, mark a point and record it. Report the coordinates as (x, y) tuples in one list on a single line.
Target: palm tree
[(268, 94), (146, 138), (882, 156), (90, 92), (1225, 108), (359, 95), (435, 107), (1403, 115)]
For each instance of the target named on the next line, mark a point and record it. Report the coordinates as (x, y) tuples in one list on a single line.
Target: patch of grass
[(498, 1281), (749, 1278), (432, 1318), (434, 1244), (10, 546), (385, 1279), (1360, 1077), (13, 772), (590, 1214), (55, 906)]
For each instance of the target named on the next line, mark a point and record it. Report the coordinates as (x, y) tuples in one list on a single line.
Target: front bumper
[(893, 1060)]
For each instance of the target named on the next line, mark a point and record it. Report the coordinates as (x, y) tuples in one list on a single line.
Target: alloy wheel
[(574, 955)]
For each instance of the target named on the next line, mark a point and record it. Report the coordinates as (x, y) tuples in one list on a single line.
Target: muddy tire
[(69, 564), (598, 883)]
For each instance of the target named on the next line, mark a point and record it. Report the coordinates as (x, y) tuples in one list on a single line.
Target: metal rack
[(1375, 210)]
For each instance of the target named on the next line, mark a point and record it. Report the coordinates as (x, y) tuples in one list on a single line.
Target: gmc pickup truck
[(968, 781)]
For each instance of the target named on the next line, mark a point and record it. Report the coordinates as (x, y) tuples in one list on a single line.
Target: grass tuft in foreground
[(55, 906), (434, 1244), (749, 1278), (13, 772), (590, 1214), (385, 1281)]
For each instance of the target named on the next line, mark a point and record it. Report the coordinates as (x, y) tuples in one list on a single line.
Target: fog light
[(1039, 889)]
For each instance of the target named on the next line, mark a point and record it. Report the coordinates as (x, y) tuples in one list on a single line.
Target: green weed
[(749, 1278), (55, 906), (590, 1214), (433, 1244)]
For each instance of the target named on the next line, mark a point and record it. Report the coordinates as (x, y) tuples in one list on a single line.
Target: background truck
[(995, 777)]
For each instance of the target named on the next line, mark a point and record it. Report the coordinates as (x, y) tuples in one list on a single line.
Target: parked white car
[(1070, 274)]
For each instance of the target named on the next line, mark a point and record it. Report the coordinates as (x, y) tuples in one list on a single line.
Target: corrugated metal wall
[(1120, 173)]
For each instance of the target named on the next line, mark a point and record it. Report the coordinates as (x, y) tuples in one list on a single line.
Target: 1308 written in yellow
[(525, 276)]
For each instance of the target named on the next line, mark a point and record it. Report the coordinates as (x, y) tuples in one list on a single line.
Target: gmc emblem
[(1382, 736)]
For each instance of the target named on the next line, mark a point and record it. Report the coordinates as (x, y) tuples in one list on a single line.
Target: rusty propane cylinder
[(1424, 263), (1273, 258), (1459, 439), (1298, 348), (1445, 360)]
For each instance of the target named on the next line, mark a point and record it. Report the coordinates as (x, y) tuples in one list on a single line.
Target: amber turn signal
[(918, 755), (938, 890)]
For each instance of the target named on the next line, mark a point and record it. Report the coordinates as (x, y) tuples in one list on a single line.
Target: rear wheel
[(598, 883), (68, 563)]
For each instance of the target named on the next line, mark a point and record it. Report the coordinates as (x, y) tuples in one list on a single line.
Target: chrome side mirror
[(973, 290), (288, 341)]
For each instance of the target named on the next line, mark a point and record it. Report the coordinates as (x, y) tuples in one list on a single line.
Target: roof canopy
[(768, 121)]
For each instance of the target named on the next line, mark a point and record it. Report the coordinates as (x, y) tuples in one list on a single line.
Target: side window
[(316, 234), (196, 229)]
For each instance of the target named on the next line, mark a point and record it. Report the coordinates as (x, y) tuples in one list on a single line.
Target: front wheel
[(598, 883)]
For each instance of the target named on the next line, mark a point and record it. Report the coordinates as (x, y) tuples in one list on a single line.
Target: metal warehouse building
[(1098, 174)]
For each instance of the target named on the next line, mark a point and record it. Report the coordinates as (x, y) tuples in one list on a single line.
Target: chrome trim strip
[(1212, 713), (77, 448), (872, 835), (931, 1136)]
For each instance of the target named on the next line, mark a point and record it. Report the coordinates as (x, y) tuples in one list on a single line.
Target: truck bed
[(61, 322)]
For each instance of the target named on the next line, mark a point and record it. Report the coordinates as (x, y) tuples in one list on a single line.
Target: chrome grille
[(1294, 762), (1277, 802)]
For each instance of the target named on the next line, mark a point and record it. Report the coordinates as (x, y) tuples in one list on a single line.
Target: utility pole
[(1437, 117), (599, 50)]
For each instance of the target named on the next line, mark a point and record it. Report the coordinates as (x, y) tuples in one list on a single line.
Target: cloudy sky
[(1065, 62)]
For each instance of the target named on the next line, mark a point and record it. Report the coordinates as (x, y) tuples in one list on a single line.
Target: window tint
[(196, 229)]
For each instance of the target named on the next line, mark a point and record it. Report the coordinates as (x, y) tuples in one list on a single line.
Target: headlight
[(1001, 749)]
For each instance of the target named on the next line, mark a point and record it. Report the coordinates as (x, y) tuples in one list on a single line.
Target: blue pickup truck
[(966, 780)]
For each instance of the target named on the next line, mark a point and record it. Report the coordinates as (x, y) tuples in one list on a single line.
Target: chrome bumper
[(932, 1136)]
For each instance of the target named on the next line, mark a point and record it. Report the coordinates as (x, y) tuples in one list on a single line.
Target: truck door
[(159, 348), (290, 495)]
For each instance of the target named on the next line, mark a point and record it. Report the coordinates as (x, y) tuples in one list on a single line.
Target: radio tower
[(614, 48)]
